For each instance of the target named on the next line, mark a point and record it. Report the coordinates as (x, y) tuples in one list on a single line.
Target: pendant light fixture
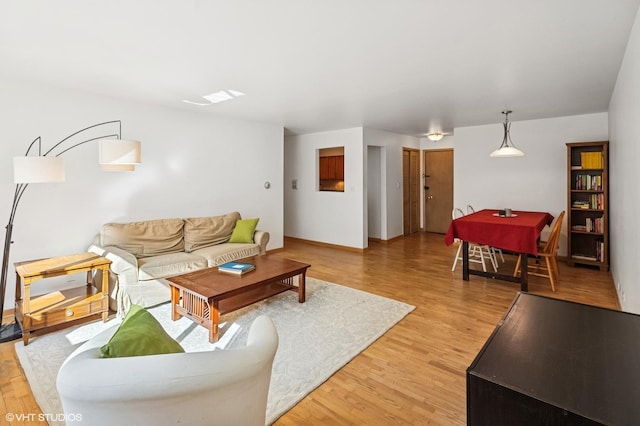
[(507, 149)]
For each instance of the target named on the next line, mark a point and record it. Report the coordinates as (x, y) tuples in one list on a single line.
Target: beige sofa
[(144, 253)]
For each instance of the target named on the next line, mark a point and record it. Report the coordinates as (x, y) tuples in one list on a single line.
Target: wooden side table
[(52, 309)]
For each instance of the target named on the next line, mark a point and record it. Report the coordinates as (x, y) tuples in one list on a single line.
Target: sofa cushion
[(139, 334), (146, 238), (228, 252), (200, 232), (243, 231), (169, 265)]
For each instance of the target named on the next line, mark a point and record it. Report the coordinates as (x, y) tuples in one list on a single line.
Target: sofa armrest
[(123, 272), (147, 389), (261, 238)]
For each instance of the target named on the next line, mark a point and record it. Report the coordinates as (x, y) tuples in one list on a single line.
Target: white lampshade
[(38, 169), (119, 151), (507, 151), (117, 167)]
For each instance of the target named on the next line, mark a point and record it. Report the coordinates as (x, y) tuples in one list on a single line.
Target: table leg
[(465, 260), (175, 301), (18, 287), (524, 278), (105, 293), (214, 313), (301, 288)]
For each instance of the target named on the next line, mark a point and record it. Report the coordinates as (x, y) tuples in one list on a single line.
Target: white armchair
[(221, 387)]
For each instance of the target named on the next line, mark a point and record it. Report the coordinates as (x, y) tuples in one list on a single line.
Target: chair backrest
[(553, 242), (172, 388), (456, 213), (470, 209)]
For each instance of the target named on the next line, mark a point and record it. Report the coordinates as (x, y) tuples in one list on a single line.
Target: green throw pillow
[(139, 334), (243, 232)]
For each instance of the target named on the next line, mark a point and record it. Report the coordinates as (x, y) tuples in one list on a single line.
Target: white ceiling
[(406, 66)]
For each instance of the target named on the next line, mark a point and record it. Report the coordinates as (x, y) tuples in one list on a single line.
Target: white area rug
[(317, 338)]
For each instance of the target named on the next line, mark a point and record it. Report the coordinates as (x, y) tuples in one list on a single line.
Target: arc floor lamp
[(115, 154)]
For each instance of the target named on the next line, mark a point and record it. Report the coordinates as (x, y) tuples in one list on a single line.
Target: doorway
[(438, 190), (411, 190), (375, 193)]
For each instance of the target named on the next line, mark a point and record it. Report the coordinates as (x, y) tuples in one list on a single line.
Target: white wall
[(336, 217), (444, 143), (537, 181), (392, 178), (328, 217), (193, 165), (624, 134)]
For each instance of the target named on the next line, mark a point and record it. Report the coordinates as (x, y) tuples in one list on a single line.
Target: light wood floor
[(415, 373)]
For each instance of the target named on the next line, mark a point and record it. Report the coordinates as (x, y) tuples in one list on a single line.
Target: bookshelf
[(588, 204)]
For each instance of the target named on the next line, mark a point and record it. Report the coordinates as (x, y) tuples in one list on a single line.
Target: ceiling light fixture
[(217, 97), (507, 148), (435, 136)]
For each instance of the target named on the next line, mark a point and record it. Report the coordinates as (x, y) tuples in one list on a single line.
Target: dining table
[(518, 233)]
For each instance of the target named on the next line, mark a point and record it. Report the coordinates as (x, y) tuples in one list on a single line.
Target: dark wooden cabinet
[(554, 362), (324, 168), (332, 167), (588, 204)]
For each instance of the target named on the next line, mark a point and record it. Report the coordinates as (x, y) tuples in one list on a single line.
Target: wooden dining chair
[(547, 251), (493, 250), (477, 253)]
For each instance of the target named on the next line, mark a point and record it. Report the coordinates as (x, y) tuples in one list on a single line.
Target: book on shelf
[(600, 251), (236, 268), (588, 182), (594, 225), (581, 257), (579, 204), (591, 160)]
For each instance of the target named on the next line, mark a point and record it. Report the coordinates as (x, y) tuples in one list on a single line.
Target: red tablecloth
[(518, 233)]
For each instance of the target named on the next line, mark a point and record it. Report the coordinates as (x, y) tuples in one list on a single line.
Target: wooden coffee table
[(206, 294)]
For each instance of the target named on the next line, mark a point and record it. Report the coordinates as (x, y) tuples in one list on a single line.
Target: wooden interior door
[(411, 190), (438, 190)]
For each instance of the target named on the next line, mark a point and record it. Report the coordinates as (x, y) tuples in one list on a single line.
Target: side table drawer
[(73, 312), (62, 306)]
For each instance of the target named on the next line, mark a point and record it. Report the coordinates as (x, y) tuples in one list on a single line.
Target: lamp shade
[(507, 151), (119, 151), (38, 169)]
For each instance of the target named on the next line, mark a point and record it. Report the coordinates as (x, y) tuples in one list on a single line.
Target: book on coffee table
[(237, 268)]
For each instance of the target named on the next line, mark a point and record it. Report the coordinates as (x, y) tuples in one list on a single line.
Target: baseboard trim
[(321, 244), (276, 250), (381, 241)]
